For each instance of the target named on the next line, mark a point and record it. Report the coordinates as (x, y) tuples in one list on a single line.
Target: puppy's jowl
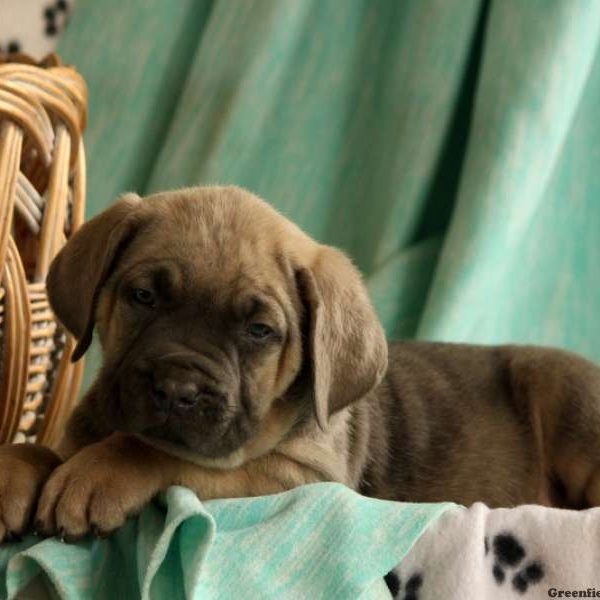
[(243, 358)]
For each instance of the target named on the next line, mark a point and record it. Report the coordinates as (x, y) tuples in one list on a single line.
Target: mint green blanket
[(318, 541)]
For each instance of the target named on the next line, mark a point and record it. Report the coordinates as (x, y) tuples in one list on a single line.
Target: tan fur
[(504, 425)]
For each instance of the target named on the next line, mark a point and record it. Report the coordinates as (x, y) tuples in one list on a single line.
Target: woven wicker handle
[(42, 200)]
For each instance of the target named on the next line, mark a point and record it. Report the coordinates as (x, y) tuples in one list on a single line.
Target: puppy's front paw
[(23, 470), (98, 488)]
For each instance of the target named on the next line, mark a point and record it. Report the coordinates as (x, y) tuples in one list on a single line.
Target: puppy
[(242, 358)]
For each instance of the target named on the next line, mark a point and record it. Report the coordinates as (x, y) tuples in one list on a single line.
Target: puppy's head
[(222, 324)]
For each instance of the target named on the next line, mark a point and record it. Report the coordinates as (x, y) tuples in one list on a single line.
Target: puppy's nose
[(170, 392)]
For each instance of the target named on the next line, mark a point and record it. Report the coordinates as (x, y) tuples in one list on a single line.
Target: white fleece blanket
[(32, 26), (528, 552)]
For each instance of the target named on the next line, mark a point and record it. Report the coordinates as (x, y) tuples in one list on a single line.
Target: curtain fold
[(451, 147), (135, 56), (519, 262)]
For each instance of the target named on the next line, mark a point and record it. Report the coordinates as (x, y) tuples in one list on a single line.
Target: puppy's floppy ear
[(346, 343), (79, 270)]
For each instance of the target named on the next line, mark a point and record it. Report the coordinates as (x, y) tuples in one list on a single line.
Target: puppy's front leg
[(104, 483), (24, 468)]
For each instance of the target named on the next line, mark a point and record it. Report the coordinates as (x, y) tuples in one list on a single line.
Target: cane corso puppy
[(243, 358)]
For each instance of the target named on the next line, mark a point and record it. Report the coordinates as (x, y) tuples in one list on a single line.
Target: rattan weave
[(42, 195)]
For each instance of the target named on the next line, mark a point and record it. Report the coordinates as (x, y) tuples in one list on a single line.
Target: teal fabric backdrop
[(451, 147)]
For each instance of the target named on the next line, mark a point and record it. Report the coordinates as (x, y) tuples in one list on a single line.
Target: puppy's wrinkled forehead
[(217, 239)]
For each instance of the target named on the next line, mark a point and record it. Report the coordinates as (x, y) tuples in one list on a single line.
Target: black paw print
[(508, 554), (11, 47), (411, 589), (56, 16)]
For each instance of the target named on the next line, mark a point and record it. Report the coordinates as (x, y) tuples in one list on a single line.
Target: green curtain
[(451, 147)]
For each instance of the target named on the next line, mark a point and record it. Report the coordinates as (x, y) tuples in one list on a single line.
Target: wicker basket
[(42, 195)]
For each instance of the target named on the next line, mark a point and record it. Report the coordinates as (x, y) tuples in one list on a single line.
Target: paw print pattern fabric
[(528, 552), (32, 26)]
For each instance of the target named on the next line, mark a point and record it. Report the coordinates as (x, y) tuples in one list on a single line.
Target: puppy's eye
[(144, 297), (259, 331)]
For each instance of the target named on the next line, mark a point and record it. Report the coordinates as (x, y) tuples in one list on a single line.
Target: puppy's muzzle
[(182, 385), (181, 395)]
